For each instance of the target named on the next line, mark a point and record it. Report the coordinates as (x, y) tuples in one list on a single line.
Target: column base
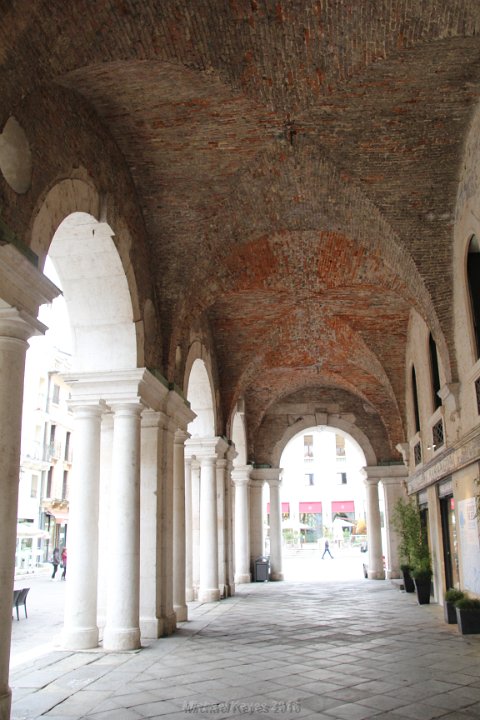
[(376, 575), (80, 638), (189, 594), (121, 639), (151, 627), (206, 595), (169, 624), (277, 576), (5, 705), (181, 611), (243, 578), (393, 575)]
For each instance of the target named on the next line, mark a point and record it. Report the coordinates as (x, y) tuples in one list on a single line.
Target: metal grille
[(437, 434), (417, 453), (477, 390)]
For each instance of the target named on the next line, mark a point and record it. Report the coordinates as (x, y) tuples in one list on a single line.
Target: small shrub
[(466, 603), (452, 595)]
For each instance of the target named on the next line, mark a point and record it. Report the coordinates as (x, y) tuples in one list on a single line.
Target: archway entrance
[(324, 511)]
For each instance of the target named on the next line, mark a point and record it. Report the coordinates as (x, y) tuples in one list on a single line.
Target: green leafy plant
[(452, 595), (467, 603), (414, 552)]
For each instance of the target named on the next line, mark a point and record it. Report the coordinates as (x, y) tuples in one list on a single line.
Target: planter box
[(423, 586), (450, 612), (408, 583), (468, 621)]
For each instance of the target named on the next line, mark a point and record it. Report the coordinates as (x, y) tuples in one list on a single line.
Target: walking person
[(64, 564), (55, 562), (327, 550)]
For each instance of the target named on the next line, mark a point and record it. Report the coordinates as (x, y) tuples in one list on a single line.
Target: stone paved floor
[(353, 650)]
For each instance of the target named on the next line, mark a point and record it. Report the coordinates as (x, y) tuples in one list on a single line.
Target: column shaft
[(242, 535), (80, 629), (275, 530), (393, 489), (208, 591), (374, 536), (12, 368), (151, 624), (179, 542), (189, 592), (256, 519), (122, 630)]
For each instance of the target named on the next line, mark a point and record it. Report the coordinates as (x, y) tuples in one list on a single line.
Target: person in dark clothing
[(327, 550), (55, 562)]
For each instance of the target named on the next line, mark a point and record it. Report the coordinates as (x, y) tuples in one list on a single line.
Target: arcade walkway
[(352, 650)]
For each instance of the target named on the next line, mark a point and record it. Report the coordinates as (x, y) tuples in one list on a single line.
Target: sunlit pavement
[(306, 564)]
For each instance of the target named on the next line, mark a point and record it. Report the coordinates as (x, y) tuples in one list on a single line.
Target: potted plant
[(413, 546), (468, 615), (422, 577), (451, 597), (408, 584)]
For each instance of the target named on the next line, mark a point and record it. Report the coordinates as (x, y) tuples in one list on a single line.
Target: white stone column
[(241, 479), (151, 622), (229, 524), (80, 630), (275, 526), (374, 536), (23, 289), (179, 541), (393, 481), (208, 590), (195, 527), (221, 471), (14, 332), (257, 548), (122, 629), (106, 455), (189, 592)]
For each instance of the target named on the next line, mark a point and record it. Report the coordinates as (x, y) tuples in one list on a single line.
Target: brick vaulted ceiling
[(296, 163)]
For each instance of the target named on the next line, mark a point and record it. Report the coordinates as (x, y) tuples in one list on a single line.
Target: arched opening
[(416, 411), (473, 275), (323, 500), (91, 329), (435, 374), (200, 397)]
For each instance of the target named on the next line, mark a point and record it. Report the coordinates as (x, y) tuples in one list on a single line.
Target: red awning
[(345, 506), (285, 508), (310, 507)]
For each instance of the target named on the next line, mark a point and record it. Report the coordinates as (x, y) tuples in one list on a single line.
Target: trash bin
[(262, 569)]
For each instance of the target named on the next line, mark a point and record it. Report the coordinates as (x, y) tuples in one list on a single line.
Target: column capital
[(215, 447), (241, 475), (118, 386), (84, 409), (19, 325), (270, 475), (181, 436), (385, 473)]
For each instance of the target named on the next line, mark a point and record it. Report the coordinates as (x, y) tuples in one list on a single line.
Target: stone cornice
[(23, 285), (459, 455), (206, 447)]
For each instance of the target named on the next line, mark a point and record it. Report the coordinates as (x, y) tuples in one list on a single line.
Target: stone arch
[(199, 390), (96, 285), (357, 435)]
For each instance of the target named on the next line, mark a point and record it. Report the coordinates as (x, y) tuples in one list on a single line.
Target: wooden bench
[(19, 599)]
